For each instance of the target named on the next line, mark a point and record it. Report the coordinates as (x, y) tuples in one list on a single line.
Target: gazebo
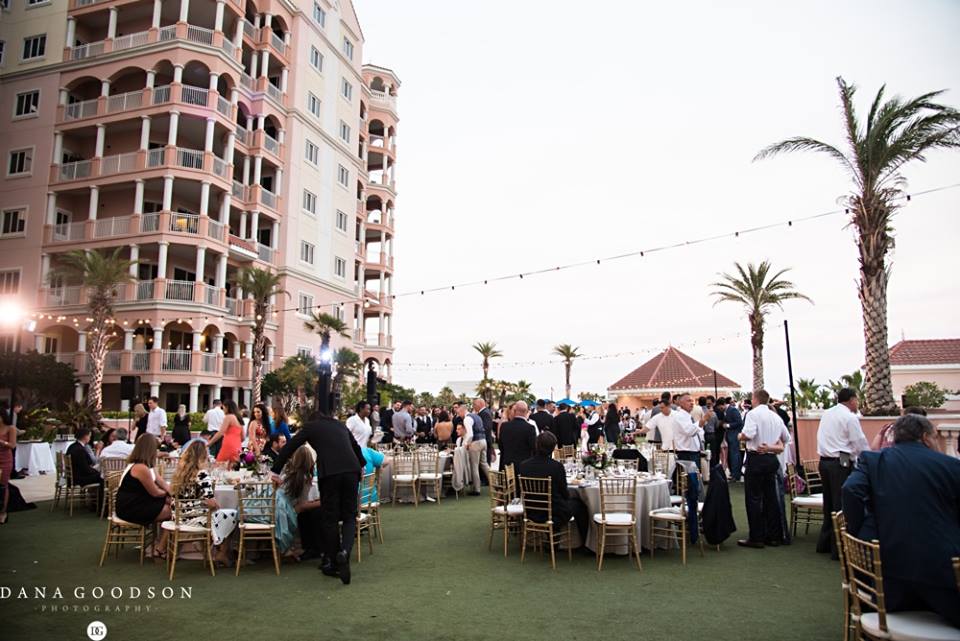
[(669, 371)]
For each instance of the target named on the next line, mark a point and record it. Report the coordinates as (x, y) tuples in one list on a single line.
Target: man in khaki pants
[(475, 440)]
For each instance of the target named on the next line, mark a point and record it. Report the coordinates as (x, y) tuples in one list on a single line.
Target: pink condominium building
[(200, 137)]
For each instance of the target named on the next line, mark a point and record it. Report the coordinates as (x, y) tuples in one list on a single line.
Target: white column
[(275, 235), (144, 132), (162, 259), (236, 347), (217, 349), (257, 168), (71, 30), (214, 77), (105, 88), (278, 180), (157, 342), (246, 170), (78, 392), (38, 342), (128, 339), (157, 6), (174, 125), (204, 198), (225, 209), (57, 147), (196, 340), (243, 225), (112, 23), (178, 74), (228, 148), (94, 202), (101, 139), (151, 78), (167, 193), (247, 394), (235, 394), (201, 259), (218, 21), (267, 20), (184, 10), (234, 96), (248, 349), (382, 285), (261, 121), (264, 62), (215, 392), (254, 226), (238, 34), (208, 135), (195, 387), (63, 96), (222, 274), (155, 388), (81, 342), (254, 67), (390, 325), (138, 196), (134, 261), (51, 208), (283, 80), (44, 269), (271, 351)]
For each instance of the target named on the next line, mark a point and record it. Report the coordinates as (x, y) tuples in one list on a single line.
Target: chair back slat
[(188, 509), (111, 480), (112, 464), (256, 503), (865, 574), (499, 488), (535, 493), (811, 472), (365, 492), (839, 528), (428, 461), (404, 463), (618, 495)]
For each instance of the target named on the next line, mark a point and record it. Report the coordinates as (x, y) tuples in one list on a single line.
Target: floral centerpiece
[(597, 457), (626, 439), (251, 462)]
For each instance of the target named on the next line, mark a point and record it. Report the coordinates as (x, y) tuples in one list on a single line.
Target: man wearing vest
[(475, 440)]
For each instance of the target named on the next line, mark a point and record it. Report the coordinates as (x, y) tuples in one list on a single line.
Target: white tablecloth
[(650, 496), (386, 480), (226, 495), (37, 458)]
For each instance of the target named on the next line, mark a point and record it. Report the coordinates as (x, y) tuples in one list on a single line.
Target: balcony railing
[(265, 253), (274, 92), (167, 33), (383, 98), (231, 306), (89, 50), (82, 109), (176, 360), (179, 290), (215, 230), (125, 101), (224, 106), (161, 94), (141, 361), (220, 167), (249, 30), (110, 227), (268, 198), (271, 144), (244, 135), (118, 164), (185, 223), (149, 223), (208, 363), (230, 367), (76, 170), (229, 47), (60, 296), (112, 361), (145, 290), (247, 82), (189, 158), (240, 191), (200, 35), (194, 95), (211, 295), (66, 232), (156, 157), (131, 40)]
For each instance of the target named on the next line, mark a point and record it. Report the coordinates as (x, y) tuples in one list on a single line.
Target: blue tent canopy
[(589, 403), (566, 401)]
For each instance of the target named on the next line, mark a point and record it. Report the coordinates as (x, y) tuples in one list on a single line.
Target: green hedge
[(196, 419)]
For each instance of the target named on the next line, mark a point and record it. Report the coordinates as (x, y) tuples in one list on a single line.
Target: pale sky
[(535, 133)]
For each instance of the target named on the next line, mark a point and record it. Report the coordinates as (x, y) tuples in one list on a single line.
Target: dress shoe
[(772, 544), (329, 570), (747, 543), (343, 566)]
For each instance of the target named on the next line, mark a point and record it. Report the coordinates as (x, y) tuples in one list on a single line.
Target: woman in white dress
[(191, 481)]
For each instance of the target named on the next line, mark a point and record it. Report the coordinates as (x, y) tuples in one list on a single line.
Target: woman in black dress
[(143, 497), (181, 426)]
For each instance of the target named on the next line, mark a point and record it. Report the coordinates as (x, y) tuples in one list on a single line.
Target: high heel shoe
[(3, 521)]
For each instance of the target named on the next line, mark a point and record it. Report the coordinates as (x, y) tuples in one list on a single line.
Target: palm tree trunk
[(877, 388), (98, 354), (258, 344), (486, 368), (567, 367), (756, 343)]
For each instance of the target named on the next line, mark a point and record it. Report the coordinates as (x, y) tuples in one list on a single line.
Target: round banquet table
[(650, 496), (386, 480), (226, 495), (35, 456)]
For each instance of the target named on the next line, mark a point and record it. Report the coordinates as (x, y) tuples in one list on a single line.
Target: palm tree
[(853, 380), (326, 325), (807, 393), (896, 132), (567, 352), (348, 366), (488, 351), (758, 291), (522, 391), (261, 285), (102, 276)]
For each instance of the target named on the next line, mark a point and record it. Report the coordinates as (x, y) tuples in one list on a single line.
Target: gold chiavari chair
[(73, 492), (404, 474), (536, 497), (429, 472), (503, 514), (364, 521), (370, 504), (670, 523), (865, 571), (811, 472), (849, 623), (107, 466), (120, 532), (166, 468), (190, 524), (256, 519), (568, 451), (804, 509), (61, 482), (618, 515)]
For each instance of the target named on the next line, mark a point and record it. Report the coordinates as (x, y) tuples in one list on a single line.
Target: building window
[(343, 176), (13, 223), (33, 3), (348, 48), (342, 221), (316, 59), (311, 152), (27, 103), (34, 47), (306, 252), (346, 90), (344, 132), (310, 202), (21, 162), (10, 281), (313, 104), (340, 267), (338, 312), (304, 352), (3, 51), (50, 345), (319, 15), (305, 304)]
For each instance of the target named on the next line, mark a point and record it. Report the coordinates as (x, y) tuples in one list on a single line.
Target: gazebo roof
[(672, 369), (940, 351)]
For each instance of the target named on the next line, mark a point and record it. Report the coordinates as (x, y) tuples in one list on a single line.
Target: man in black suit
[(517, 437), (542, 417), (386, 422), (542, 465), (81, 459), (423, 424), (339, 465), (566, 426), (908, 497)]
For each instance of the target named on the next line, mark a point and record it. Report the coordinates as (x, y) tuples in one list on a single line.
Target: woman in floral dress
[(191, 481)]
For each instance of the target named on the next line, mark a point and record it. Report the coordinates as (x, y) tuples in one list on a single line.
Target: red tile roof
[(671, 369), (939, 351)]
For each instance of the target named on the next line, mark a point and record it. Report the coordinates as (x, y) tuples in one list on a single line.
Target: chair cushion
[(911, 626), (700, 507), (614, 518), (808, 501), (370, 506), (363, 516), (667, 513), (512, 509), (256, 526), (430, 477), (405, 478), (171, 526), (116, 520)]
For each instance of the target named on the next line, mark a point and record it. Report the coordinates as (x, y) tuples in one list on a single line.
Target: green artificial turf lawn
[(432, 579)]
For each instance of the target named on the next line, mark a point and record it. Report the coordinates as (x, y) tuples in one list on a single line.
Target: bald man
[(517, 437)]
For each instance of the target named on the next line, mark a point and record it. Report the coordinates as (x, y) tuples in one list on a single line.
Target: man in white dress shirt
[(765, 435), (688, 435), (213, 419), (156, 419), (359, 424), (662, 424), (840, 440), (119, 448)]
